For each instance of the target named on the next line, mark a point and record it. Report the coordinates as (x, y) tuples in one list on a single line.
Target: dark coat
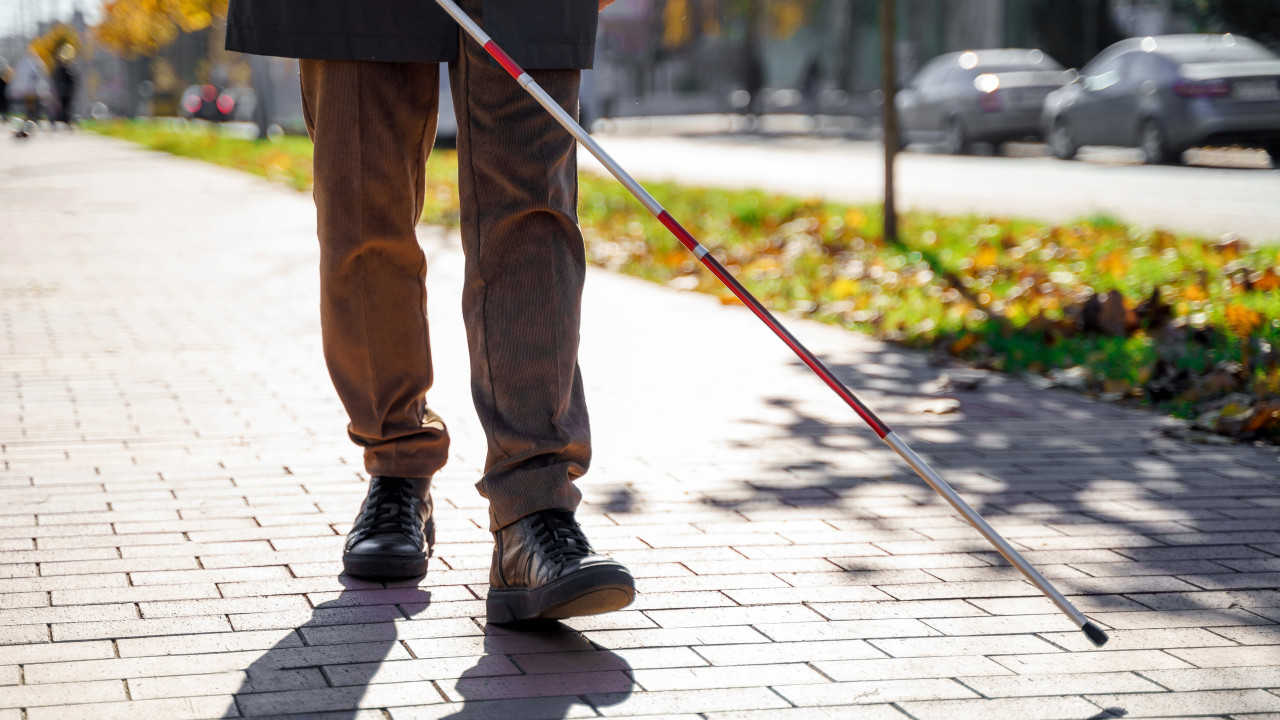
[(537, 34)]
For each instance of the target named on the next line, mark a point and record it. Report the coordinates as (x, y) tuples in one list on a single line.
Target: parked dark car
[(1168, 93), (210, 102), (978, 96)]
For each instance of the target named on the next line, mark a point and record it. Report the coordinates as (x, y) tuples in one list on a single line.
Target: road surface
[(1208, 200)]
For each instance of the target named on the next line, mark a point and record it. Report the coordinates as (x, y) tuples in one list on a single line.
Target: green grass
[(1007, 294), (287, 159)]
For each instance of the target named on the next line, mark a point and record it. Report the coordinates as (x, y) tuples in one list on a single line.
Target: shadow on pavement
[(559, 668), (289, 677), (535, 673)]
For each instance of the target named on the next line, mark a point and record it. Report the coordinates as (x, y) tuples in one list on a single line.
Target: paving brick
[(845, 629), (355, 597), (1220, 599), (1088, 604), (1083, 662), (998, 625), (862, 712), (44, 615), (732, 616), (223, 606), (1040, 708), (224, 683), (138, 628), (1059, 684), (190, 708), (973, 645), (785, 652), (1235, 656), (908, 609), (1266, 635), (880, 691), (80, 544), (742, 676), (453, 628), (45, 584), (526, 708), (1219, 702), (249, 550), (1177, 619), (909, 668), (762, 565), (399, 671), (30, 696), (660, 637), (208, 643), (1153, 639), (1215, 678), (678, 701), (22, 634), (289, 619), (529, 686), (102, 596), (778, 596), (24, 600), (328, 583), (219, 576)]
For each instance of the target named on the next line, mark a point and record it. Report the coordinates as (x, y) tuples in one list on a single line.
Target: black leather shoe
[(394, 532), (543, 567)]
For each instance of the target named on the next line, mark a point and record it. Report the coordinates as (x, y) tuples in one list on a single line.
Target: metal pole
[(1093, 632)]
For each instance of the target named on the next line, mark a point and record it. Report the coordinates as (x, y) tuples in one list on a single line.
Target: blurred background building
[(654, 57)]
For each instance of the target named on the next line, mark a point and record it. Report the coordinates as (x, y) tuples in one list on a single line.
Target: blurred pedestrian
[(370, 86), (29, 89), (64, 83), (4, 90)]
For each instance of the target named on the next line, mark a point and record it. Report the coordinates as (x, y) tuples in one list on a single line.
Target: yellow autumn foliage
[(47, 46), (143, 27)]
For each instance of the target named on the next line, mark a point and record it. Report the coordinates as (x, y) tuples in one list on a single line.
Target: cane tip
[(1095, 634)]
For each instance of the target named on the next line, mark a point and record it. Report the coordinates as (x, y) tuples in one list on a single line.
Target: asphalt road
[(1209, 200)]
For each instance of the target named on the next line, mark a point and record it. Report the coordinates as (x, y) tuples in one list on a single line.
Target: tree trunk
[(889, 86)]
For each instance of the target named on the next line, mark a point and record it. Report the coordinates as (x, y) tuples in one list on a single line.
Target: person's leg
[(372, 125), (525, 267)]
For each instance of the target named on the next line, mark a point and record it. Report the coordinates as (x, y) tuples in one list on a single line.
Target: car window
[(1215, 48), (932, 74), (1145, 66), (1103, 73)]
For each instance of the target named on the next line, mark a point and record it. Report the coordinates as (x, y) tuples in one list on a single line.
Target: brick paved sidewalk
[(176, 484)]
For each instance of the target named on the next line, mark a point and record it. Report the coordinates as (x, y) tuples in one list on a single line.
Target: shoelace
[(389, 509), (559, 536)]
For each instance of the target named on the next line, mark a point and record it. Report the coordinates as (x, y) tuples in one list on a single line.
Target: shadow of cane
[(539, 673), (346, 635)]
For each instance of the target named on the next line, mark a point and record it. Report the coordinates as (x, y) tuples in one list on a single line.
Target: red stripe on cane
[(761, 312), (503, 59), (676, 229)]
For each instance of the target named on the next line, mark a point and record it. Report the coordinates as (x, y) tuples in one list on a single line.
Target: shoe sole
[(587, 592), (384, 567)]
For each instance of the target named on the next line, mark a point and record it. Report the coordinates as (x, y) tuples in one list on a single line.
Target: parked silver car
[(1168, 93), (978, 96)]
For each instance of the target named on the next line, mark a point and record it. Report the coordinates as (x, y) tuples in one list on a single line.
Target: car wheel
[(1155, 146), (1061, 143), (956, 141)]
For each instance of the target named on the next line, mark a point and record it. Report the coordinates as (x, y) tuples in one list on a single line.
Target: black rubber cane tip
[(1095, 634)]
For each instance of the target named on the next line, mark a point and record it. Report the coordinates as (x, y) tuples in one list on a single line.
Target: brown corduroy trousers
[(373, 125)]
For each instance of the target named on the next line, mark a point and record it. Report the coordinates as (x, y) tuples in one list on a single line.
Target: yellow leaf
[(986, 257), (1242, 320)]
